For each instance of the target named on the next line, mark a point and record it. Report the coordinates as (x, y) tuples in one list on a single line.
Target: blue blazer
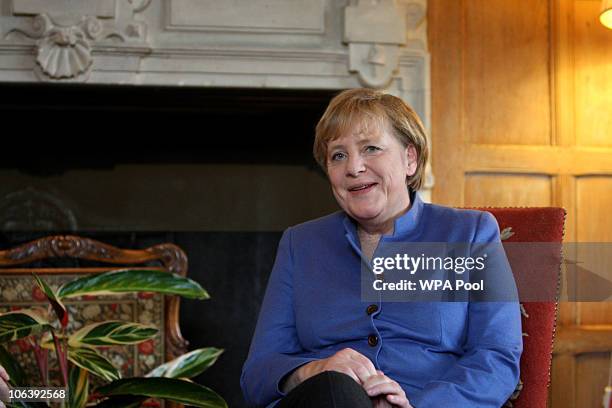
[(443, 354)]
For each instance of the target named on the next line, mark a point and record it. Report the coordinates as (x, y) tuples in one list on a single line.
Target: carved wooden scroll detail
[(171, 257)]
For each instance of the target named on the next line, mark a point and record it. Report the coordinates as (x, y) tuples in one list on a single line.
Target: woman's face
[(367, 170)]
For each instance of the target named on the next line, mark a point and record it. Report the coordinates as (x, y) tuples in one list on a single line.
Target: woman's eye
[(372, 149), (337, 156)]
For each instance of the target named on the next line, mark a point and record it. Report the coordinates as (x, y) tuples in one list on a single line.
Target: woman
[(317, 343), (4, 387)]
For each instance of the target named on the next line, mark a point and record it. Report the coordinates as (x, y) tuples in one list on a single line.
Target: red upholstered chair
[(535, 225)]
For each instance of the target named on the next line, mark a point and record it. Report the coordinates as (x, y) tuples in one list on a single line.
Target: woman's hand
[(383, 390), (380, 402), (4, 389), (347, 361)]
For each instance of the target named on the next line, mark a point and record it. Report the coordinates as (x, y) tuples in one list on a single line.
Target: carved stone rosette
[(31, 209)]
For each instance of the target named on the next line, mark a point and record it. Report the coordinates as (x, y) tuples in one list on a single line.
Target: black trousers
[(329, 389)]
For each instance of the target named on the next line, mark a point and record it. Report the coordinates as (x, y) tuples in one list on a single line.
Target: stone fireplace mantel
[(286, 44)]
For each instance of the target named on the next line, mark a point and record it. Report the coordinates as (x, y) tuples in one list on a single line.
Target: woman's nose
[(355, 165)]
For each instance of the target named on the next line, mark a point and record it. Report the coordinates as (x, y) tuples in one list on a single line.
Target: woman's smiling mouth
[(362, 188)]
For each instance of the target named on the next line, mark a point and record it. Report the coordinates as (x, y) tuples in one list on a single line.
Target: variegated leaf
[(78, 387), (46, 340), (92, 361), (21, 323), (12, 367), (188, 365), (180, 391), (58, 306), (112, 332), (133, 280)]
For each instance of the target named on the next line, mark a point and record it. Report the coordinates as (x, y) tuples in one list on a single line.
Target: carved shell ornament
[(64, 53)]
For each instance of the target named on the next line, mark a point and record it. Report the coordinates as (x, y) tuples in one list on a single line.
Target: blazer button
[(372, 309), (372, 340)]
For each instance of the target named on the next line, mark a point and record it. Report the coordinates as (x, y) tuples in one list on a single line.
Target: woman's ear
[(411, 165)]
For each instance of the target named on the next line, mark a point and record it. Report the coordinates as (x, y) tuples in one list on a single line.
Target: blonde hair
[(362, 107)]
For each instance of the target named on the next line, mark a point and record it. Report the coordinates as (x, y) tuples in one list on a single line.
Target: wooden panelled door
[(522, 116)]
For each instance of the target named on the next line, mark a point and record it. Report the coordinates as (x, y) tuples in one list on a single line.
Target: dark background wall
[(176, 159), (234, 268)]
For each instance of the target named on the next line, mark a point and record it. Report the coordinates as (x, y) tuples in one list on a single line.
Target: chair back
[(545, 225), (60, 258)]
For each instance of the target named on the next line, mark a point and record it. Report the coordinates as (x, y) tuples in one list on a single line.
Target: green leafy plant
[(78, 354)]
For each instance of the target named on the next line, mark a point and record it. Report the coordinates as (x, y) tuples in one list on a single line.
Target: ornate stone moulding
[(65, 32), (376, 31)]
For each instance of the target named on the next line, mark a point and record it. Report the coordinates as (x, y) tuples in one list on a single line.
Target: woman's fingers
[(4, 391), (385, 392), (352, 363), (379, 378), (387, 387), (364, 361), (363, 373), (381, 386), (398, 401), (381, 402), (356, 371), (3, 374), (363, 367), (348, 371)]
